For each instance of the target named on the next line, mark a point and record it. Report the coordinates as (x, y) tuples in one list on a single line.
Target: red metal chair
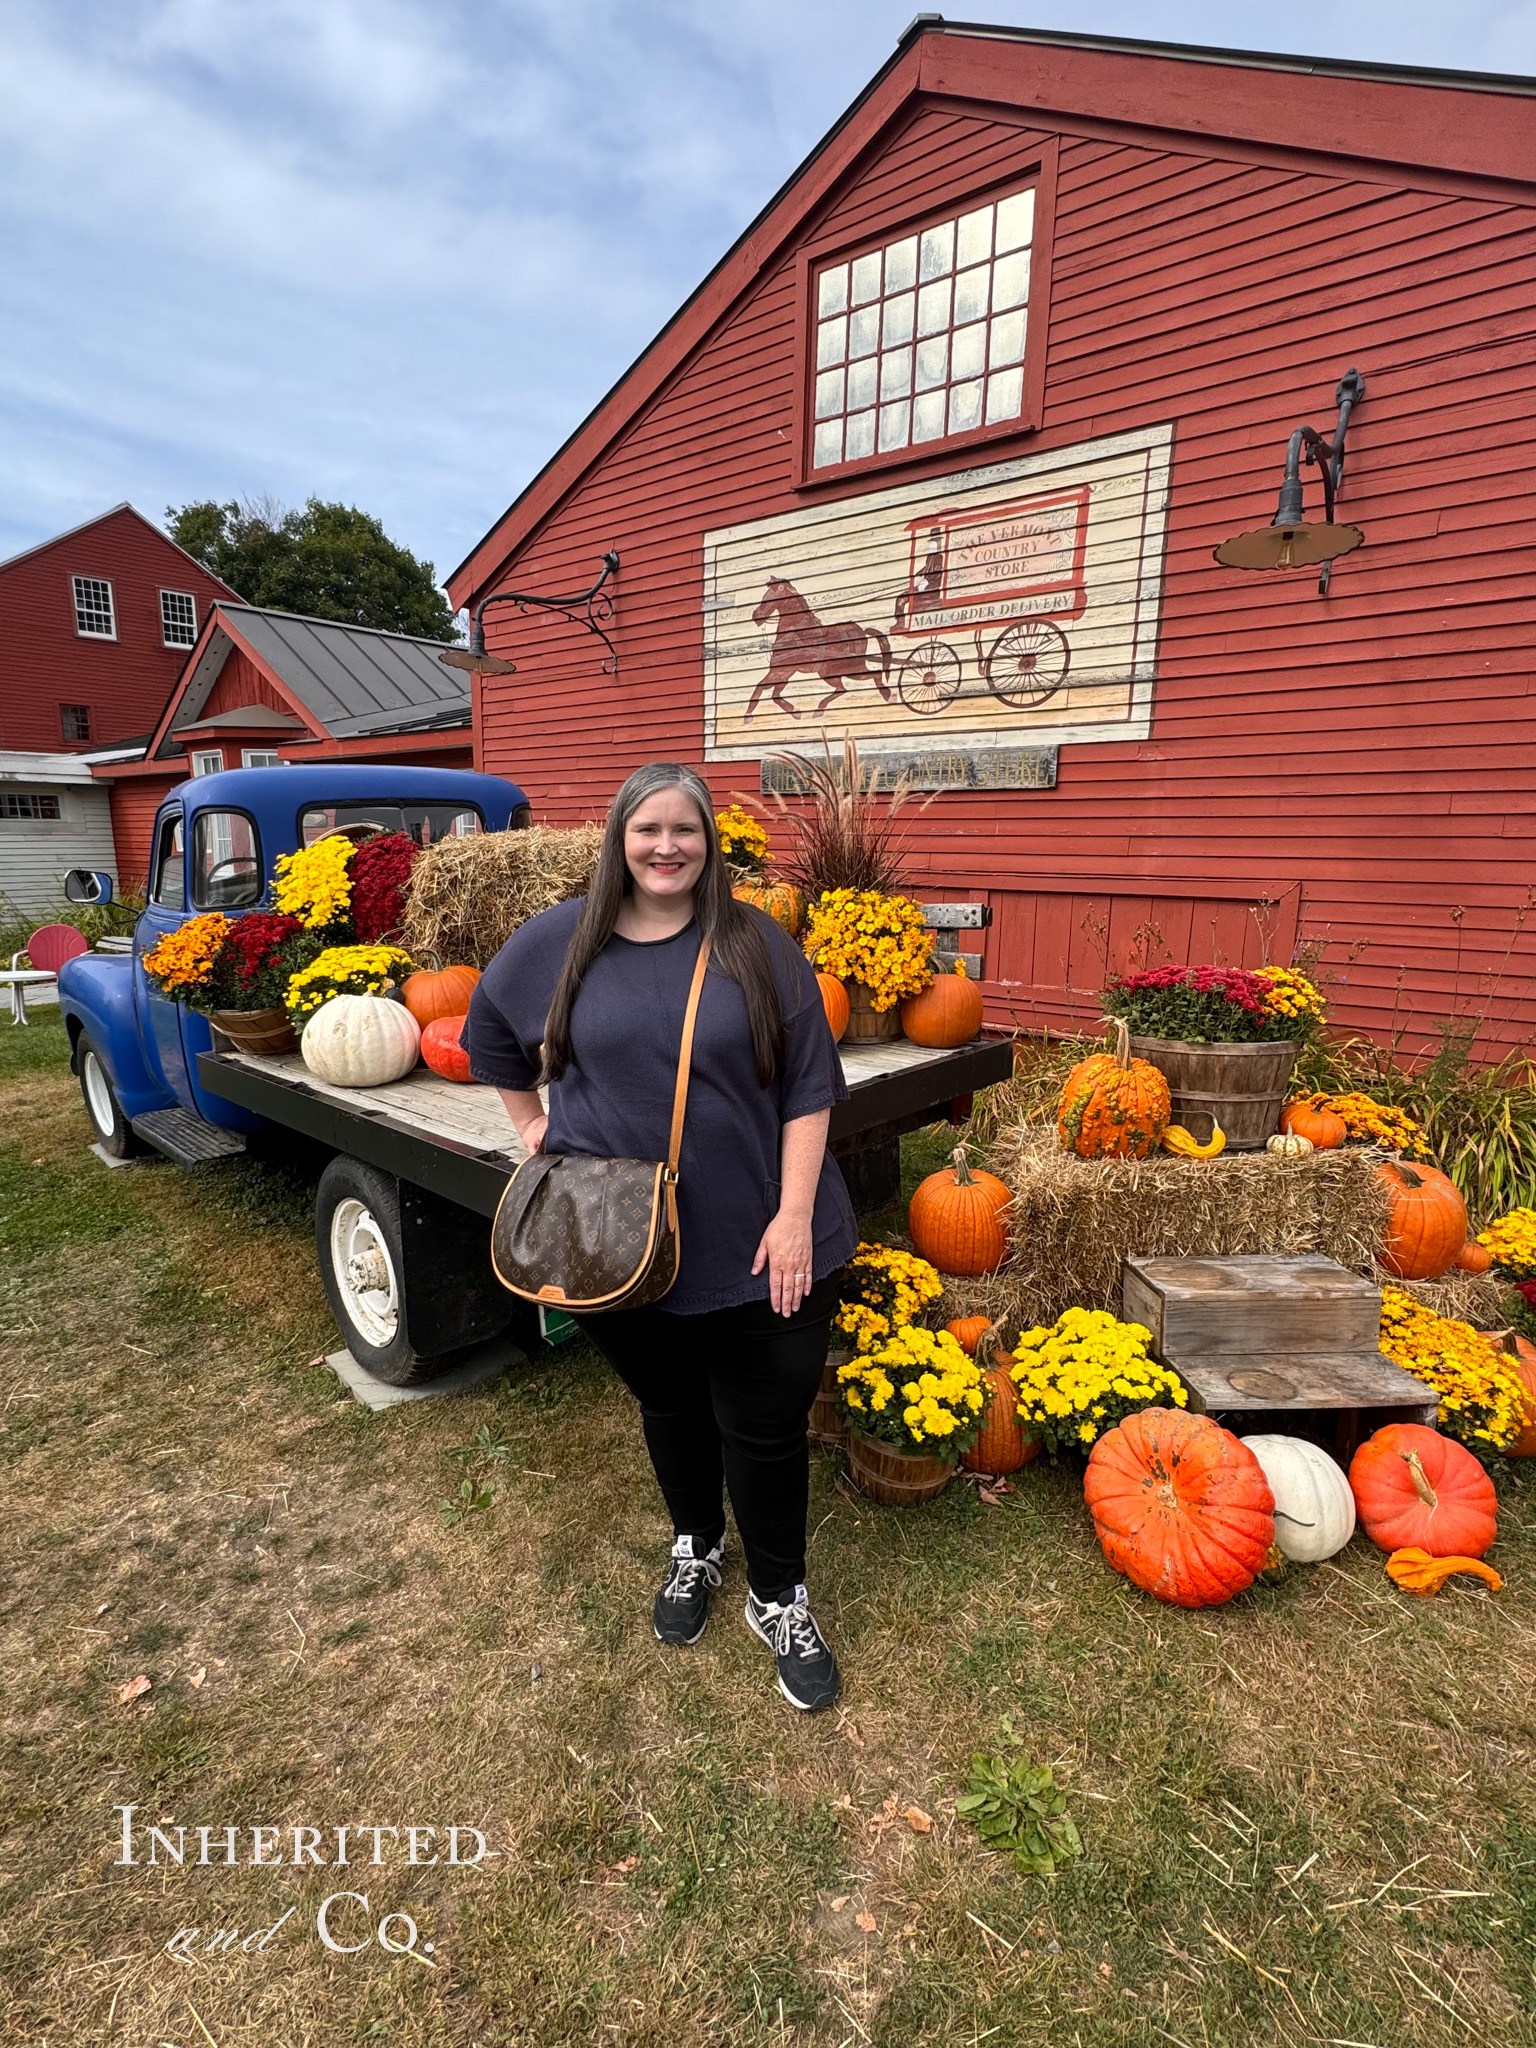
[(48, 948)]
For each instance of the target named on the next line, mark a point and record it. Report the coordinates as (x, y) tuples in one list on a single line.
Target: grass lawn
[(1307, 1816)]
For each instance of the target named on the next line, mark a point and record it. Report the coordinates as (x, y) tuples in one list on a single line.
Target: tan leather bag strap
[(685, 1062)]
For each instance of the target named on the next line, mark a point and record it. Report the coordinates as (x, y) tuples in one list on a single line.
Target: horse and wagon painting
[(989, 602)]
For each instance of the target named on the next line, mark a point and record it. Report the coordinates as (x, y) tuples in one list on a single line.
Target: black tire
[(114, 1134), (358, 1241)]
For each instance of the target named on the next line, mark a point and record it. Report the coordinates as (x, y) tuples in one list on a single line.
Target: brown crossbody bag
[(596, 1234)]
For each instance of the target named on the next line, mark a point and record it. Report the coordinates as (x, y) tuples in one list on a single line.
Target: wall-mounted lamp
[(590, 608), (1290, 541)]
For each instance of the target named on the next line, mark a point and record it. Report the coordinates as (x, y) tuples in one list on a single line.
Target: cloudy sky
[(392, 251)]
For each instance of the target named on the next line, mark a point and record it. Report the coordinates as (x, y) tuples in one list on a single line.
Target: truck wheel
[(362, 1267), (114, 1133)]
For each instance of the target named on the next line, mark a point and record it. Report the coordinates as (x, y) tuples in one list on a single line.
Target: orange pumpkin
[(1181, 1506), (1524, 1364), (948, 1012), (968, 1332), (956, 1218), (1002, 1444), (1474, 1258), (442, 1051), (834, 1000), (784, 904), (1114, 1107), (1305, 1118), (1414, 1487), (433, 992), (1427, 1224)]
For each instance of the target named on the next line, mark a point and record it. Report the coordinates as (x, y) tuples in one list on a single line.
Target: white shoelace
[(684, 1581), (792, 1629)]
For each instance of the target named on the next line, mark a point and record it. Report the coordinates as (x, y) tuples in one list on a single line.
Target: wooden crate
[(1260, 1336)]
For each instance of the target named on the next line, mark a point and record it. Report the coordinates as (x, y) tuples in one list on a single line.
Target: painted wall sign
[(933, 768), (1017, 602)]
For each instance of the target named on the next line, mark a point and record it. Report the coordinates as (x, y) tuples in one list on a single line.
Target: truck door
[(165, 911)]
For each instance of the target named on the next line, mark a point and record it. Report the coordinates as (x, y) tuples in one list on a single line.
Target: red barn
[(940, 452), (94, 628)]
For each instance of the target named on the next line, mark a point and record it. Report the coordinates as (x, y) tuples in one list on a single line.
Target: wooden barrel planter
[(828, 1422), (896, 1478), (866, 1024), (264, 1031), (1241, 1087)]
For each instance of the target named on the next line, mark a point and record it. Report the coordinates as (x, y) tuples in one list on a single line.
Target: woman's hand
[(527, 1112), (786, 1250)]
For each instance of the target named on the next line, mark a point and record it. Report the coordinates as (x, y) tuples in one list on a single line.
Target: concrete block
[(486, 1362)]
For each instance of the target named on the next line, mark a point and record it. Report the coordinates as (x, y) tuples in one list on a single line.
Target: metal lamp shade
[(1298, 546), (480, 664)]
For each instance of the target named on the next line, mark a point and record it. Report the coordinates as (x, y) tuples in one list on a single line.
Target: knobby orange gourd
[(956, 1218), (1114, 1107), (1002, 1445), (1180, 1506), (1417, 1572), (1426, 1223), (784, 904)]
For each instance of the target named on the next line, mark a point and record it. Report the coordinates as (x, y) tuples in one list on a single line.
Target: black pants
[(724, 1399)]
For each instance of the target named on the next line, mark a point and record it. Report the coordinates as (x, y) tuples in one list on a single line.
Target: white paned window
[(209, 763), (260, 757), (924, 337), (178, 618), (94, 617), (13, 806)]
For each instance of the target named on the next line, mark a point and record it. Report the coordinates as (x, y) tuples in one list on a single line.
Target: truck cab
[(215, 840)]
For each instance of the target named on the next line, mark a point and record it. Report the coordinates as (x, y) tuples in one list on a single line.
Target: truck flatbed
[(456, 1139)]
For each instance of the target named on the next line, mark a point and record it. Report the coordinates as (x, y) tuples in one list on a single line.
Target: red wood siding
[(240, 683), (1361, 767), (45, 663), (134, 804)]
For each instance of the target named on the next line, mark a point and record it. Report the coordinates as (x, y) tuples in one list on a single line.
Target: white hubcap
[(99, 1096), (365, 1273)]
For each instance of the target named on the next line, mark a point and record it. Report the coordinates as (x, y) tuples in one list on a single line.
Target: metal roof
[(355, 680)]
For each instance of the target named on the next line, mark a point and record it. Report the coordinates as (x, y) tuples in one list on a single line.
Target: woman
[(589, 998)]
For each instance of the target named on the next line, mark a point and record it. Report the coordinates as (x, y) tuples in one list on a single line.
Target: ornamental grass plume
[(1482, 1399), (845, 836)]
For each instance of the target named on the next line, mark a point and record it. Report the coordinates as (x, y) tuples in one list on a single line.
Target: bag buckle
[(669, 1176)]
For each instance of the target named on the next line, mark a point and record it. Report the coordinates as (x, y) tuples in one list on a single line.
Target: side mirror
[(87, 885)]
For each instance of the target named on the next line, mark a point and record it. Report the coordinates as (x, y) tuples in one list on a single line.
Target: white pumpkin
[(1314, 1507), (361, 1041), (1289, 1144)]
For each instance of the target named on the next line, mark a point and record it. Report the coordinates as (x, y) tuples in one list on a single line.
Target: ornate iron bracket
[(592, 609), (1329, 457)]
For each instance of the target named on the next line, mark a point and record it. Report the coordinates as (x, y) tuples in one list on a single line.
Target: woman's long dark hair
[(738, 937)]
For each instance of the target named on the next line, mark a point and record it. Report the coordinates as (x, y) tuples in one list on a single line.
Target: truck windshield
[(425, 823)]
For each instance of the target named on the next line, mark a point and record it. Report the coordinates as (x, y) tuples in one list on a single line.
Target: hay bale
[(1075, 1220), (467, 896), (1476, 1298)]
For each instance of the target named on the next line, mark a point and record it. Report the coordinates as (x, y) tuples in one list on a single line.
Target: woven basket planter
[(263, 1031), (829, 1418), (896, 1478), (1241, 1086), (866, 1024)]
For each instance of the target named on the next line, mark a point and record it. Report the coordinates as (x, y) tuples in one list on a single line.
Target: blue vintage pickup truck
[(415, 1170)]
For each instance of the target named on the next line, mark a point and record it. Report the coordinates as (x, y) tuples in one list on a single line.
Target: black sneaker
[(682, 1605), (808, 1674)]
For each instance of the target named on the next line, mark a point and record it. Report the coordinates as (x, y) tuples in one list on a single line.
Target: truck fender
[(96, 995)]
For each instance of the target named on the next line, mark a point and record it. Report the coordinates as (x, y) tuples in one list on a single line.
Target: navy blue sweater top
[(614, 1100)]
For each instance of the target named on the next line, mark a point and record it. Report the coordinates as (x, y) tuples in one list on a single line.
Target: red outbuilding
[(940, 455)]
